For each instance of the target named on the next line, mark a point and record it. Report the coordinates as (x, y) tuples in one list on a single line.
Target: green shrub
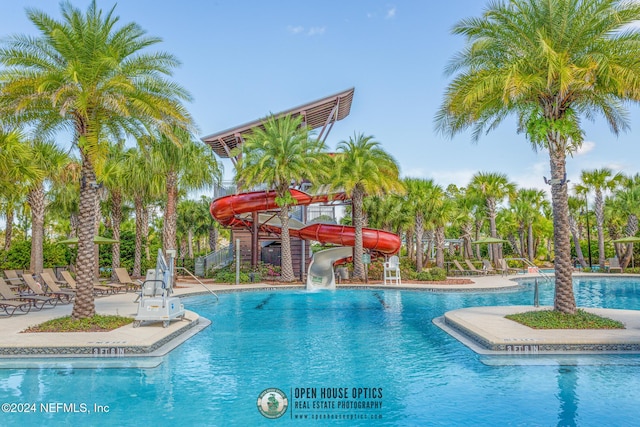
[(438, 274), (424, 276)]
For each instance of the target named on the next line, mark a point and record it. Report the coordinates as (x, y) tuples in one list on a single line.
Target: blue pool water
[(379, 342)]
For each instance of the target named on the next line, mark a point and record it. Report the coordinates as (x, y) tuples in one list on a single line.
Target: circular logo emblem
[(272, 403)]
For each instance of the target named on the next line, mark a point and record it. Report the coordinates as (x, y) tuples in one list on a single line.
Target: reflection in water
[(567, 383)]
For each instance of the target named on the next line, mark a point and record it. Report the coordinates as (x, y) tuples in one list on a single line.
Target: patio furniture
[(8, 295), (614, 265), (98, 290), (392, 271), (65, 296), (473, 268), (123, 277)]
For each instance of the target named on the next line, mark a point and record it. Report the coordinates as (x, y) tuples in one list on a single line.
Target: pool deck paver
[(490, 333)]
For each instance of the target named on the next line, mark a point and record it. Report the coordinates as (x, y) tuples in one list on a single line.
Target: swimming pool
[(372, 346)]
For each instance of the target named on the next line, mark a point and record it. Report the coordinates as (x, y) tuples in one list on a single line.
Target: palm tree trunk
[(286, 263), (145, 232), (439, 237), (8, 231), (116, 219), (631, 230), (564, 300), (419, 234), (137, 255), (467, 228), (576, 241), (599, 210), (190, 243), (491, 212), (358, 222), (36, 200), (213, 237), (170, 214), (84, 304), (531, 246)]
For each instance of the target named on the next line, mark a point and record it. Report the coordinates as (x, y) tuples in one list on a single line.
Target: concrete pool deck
[(483, 329)]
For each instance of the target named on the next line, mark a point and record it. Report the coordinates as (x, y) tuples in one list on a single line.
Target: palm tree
[(527, 204), (549, 63), (145, 184), (279, 155), (16, 172), (626, 205), (84, 74), (114, 180), (188, 167), (423, 196), (363, 168), (575, 209), (600, 181), (492, 188), (51, 161)]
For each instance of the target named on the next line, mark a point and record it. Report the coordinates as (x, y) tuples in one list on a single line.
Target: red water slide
[(227, 210)]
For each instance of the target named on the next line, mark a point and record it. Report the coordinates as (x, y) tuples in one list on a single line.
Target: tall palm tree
[(527, 204), (363, 168), (51, 160), (599, 181), (114, 179), (550, 63), (493, 188), (188, 167), (145, 184), (279, 155), (84, 74), (16, 173), (423, 198)]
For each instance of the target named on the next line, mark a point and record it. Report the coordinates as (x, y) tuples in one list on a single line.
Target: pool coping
[(486, 331)]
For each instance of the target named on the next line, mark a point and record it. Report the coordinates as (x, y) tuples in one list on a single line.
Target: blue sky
[(242, 60)]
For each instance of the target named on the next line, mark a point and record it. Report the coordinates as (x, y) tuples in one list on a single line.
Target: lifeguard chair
[(392, 271)]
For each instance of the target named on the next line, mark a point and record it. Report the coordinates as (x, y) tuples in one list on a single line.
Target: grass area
[(97, 323), (549, 319)]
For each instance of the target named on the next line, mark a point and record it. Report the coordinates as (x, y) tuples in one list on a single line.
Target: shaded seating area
[(488, 267)]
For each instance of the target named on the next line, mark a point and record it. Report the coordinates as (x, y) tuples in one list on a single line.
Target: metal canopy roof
[(321, 113)]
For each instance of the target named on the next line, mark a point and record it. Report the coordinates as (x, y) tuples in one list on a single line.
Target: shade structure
[(99, 240), (488, 240), (628, 239)]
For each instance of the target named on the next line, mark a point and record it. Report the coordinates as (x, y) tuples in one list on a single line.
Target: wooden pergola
[(322, 113)]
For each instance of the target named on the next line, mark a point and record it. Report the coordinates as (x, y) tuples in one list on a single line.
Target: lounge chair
[(506, 270), (13, 278), (10, 307), (461, 269), (8, 295), (64, 296), (614, 266), (125, 279), (391, 271), (98, 289), (486, 264), (51, 273), (473, 268)]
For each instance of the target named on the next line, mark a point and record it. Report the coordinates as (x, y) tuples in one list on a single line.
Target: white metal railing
[(544, 275)]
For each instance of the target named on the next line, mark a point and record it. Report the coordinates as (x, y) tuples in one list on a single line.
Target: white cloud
[(585, 148), (391, 13), (295, 29), (316, 31)]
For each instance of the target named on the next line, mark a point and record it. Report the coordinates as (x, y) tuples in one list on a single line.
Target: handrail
[(198, 280), (544, 275)]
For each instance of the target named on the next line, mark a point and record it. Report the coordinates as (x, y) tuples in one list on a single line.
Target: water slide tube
[(229, 211)]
